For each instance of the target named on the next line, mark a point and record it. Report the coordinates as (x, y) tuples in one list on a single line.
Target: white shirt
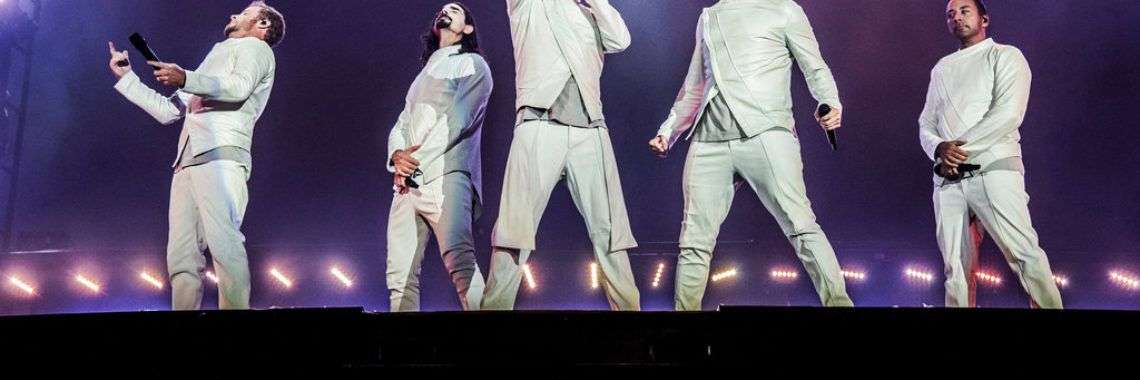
[(977, 95)]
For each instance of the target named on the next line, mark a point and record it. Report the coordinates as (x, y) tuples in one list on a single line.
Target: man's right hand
[(404, 163), (951, 153), (116, 58), (659, 145)]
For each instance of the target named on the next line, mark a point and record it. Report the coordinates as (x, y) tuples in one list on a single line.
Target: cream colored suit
[(220, 104), (744, 52), (979, 95), (554, 40)]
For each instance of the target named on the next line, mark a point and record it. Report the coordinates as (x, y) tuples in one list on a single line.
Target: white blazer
[(554, 39), (744, 49), (978, 95), (443, 113), (222, 98)]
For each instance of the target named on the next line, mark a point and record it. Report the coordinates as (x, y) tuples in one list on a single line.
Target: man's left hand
[(168, 74), (832, 121)]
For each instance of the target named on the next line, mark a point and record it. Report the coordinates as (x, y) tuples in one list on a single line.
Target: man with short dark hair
[(219, 103), (975, 104)]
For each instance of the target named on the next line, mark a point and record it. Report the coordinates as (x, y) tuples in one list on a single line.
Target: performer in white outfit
[(434, 153), (220, 102), (560, 47), (974, 106), (736, 104)]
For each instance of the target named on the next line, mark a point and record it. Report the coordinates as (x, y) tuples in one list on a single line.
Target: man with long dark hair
[(434, 155), (975, 104), (219, 103), (560, 47)]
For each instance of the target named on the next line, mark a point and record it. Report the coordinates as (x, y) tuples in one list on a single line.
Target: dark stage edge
[(352, 341)]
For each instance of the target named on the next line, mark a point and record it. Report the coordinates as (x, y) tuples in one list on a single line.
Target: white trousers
[(996, 202), (207, 204), (541, 154), (447, 206), (770, 163)]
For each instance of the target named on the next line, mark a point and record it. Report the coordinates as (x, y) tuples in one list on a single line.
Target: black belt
[(964, 171)]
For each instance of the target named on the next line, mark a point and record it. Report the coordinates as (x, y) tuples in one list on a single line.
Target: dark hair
[(981, 5), (276, 31), (469, 43)]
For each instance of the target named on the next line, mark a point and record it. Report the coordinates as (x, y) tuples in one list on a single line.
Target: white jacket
[(554, 39), (977, 95), (744, 49), (443, 113), (222, 98)]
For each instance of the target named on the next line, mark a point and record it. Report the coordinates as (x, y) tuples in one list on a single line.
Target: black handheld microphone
[(140, 44), (442, 21), (963, 170), (825, 109), (411, 182)]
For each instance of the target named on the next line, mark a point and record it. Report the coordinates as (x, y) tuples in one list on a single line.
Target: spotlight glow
[(594, 275), (657, 276), (285, 281), (1062, 280), (23, 286), (920, 275), (988, 278), (853, 275), (724, 275), (87, 283), (213, 278), (1125, 280), (784, 275), (530, 283), (151, 280), (340, 276)]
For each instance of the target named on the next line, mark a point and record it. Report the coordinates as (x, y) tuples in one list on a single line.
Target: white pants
[(770, 162), (207, 204), (541, 154), (447, 206), (999, 202)]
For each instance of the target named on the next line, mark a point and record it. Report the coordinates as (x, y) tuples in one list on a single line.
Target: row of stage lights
[(93, 286), (784, 275)]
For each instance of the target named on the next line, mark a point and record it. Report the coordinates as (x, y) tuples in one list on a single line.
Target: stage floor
[(354, 341)]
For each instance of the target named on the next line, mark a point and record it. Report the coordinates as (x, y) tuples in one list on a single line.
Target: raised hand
[(120, 61)]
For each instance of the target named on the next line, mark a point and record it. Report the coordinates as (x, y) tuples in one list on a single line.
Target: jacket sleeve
[(253, 64), (614, 34), (805, 49), (166, 110), (928, 121), (1010, 101), (692, 94)]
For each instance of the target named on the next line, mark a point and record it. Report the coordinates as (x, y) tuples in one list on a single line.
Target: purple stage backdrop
[(96, 169)]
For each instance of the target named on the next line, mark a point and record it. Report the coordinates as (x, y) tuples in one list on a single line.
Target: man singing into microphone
[(560, 47), (974, 106), (737, 102), (434, 153), (219, 103)]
